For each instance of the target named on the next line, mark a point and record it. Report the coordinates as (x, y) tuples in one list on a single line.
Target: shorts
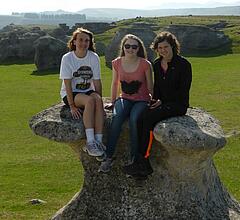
[(75, 93)]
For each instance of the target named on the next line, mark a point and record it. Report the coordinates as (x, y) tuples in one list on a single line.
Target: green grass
[(34, 167), (31, 167), (216, 88)]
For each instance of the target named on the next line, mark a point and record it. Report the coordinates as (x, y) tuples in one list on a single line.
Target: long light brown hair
[(141, 51), (71, 44)]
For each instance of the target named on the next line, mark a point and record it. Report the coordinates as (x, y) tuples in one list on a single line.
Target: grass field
[(34, 167)]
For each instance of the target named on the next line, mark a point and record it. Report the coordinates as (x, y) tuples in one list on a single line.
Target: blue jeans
[(123, 109)]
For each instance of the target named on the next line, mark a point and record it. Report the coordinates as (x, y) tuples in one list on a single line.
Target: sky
[(10, 6)]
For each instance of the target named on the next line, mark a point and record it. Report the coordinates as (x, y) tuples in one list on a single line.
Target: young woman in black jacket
[(172, 82)]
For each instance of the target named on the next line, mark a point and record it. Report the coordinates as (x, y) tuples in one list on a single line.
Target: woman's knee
[(133, 119), (90, 101), (97, 99)]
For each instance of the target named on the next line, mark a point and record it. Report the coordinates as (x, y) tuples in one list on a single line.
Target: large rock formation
[(196, 39), (16, 43), (145, 33), (184, 185), (48, 52)]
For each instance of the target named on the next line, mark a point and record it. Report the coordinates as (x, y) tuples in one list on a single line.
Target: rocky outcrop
[(16, 43), (100, 48), (95, 27), (48, 52), (184, 185), (145, 33), (196, 39)]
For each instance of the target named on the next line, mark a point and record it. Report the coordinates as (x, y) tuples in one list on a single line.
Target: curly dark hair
[(170, 38)]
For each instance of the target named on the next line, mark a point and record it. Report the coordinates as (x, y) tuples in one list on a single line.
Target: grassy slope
[(232, 28), (32, 167)]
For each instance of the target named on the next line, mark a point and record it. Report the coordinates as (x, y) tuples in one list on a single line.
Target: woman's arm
[(68, 85), (149, 80), (182, 95), (74, 110), (156, 93), (115, 85), (98, 86)]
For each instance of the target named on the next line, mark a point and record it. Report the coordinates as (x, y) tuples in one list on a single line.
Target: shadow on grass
[(45, 72), (16, 62), (224, 50)]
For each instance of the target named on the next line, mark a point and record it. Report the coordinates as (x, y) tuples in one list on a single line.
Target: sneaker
[(139, 168), (106, 165), (101, 145), (93, 149), (101, 158), (131, 169), (148, 170), (103, 148)]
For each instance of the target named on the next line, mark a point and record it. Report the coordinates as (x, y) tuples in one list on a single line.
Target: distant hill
[(113, 14), (117, 14), (42, 18), (56, 12)]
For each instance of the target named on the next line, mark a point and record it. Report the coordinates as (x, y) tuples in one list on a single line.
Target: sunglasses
[(128, 46)]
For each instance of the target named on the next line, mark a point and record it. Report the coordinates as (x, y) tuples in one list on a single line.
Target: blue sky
[(10, 6)]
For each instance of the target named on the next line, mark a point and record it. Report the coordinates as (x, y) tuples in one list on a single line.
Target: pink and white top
[(133, 84)]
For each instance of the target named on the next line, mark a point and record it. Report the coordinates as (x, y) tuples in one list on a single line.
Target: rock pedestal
[(184, 185)]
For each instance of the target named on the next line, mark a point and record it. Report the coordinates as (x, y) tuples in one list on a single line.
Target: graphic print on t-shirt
[(83, 77), (130, 88)]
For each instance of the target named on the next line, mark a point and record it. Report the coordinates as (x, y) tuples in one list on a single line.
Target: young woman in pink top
[(132, 72)]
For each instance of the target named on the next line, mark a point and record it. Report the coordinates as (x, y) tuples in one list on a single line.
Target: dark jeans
[(124, 109), (149, 118)]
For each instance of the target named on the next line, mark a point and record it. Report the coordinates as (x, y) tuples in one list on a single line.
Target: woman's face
[(164, 49), (131, 47), (82, 41)]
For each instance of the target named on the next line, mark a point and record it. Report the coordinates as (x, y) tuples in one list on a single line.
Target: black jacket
[(172, 87)]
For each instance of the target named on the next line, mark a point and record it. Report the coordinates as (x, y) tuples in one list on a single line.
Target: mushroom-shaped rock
[(184, 185)]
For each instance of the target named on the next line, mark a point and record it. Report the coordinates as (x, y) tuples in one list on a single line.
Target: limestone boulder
[(197, 39), (100, 48), (184, 185), (16, 43), (48, 52)]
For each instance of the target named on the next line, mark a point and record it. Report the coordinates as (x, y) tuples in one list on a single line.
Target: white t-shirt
[(81, 71)]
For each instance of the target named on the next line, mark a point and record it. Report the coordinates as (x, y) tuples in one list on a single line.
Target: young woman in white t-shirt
[(82, 88)]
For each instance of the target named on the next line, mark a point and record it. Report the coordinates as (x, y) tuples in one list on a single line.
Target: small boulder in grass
[(37, 201)]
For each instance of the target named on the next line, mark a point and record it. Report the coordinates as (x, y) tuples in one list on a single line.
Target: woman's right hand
[(155, 103), (76, 114)]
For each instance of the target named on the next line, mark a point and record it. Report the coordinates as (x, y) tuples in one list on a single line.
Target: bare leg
[(99, 113), (88, 102)]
